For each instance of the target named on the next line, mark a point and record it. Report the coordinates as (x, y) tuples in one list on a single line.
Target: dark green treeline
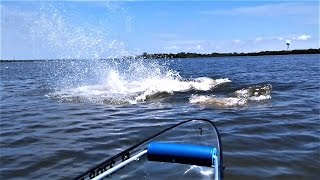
[(214, 54)]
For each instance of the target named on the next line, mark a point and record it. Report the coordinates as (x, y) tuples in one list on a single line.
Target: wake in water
[(243, 96)]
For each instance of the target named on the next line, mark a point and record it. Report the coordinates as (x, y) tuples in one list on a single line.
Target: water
[(59, 118)]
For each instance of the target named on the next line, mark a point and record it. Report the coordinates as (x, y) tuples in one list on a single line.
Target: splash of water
[(59, 30), (133, 85), (111, 81)]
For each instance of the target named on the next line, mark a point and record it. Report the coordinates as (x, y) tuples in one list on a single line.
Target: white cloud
[(199, 47), (280, 38), (303, 37), (187, 42), (267, 10), (258, 39), (236, 41), (184, 45), (172, 47)]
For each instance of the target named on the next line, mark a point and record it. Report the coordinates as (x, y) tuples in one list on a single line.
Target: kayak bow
[(181, 153)]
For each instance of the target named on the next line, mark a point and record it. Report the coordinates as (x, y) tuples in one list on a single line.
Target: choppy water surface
[(59, 118)]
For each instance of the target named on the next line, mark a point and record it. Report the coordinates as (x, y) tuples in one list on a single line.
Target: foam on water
[(253, 94), (255, 91), (213, 100), (202, 170)]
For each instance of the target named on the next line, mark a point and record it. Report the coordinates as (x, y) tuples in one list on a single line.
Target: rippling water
[(59, 118)]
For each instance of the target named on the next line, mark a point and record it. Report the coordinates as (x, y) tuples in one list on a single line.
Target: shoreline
[(183, 55), (234, 54)]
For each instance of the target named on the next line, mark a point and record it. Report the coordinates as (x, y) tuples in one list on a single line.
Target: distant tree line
[(197, 55), (215, 54)]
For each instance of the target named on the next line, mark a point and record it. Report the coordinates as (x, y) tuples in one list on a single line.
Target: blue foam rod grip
[(181, 153)]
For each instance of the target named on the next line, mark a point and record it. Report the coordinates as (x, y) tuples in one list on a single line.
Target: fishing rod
[(164, 152)]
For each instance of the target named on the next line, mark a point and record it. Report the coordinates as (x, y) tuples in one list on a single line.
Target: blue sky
[(104, 29)]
